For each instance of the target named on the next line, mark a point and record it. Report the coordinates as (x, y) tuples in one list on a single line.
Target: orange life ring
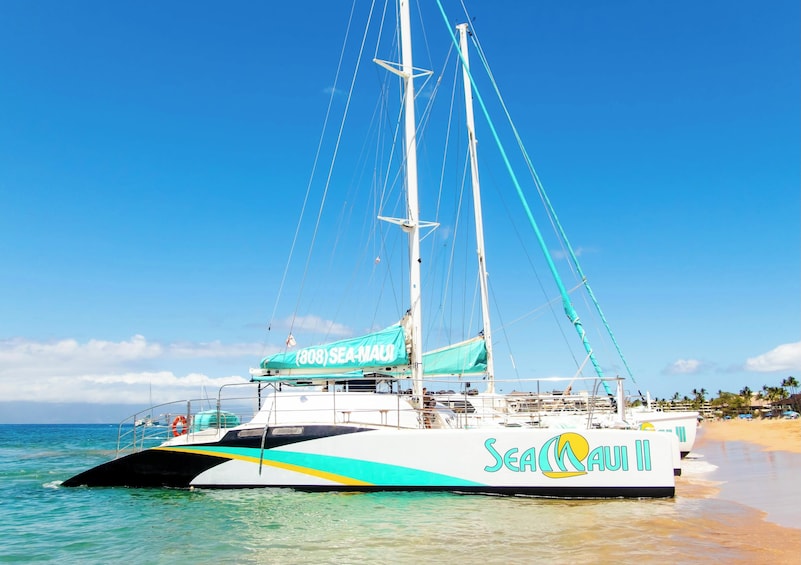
[(179, 420)]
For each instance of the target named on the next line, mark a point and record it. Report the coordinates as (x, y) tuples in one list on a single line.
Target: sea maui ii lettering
[(568, 455), (346, 356)]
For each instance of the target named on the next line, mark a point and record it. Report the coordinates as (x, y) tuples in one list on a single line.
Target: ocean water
[(42, 522)]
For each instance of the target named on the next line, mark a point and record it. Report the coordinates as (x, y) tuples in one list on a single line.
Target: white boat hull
[(311, 440), (683, 424), (592, 463)]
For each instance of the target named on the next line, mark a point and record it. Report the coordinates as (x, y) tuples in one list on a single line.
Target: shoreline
[(744, 473)]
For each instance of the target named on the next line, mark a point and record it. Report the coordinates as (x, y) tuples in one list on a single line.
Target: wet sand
[(745, 475)]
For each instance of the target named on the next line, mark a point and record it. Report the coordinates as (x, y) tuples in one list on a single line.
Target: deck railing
[(448, 402), (156, 424)]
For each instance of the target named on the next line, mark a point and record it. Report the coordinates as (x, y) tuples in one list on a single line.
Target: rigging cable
[(314, 167), (552, 214), (567, 304)]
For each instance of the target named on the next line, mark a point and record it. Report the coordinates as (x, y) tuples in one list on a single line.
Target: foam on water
[(696, 464)]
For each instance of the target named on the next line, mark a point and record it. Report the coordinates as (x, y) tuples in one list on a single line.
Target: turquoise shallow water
[(45, 523)]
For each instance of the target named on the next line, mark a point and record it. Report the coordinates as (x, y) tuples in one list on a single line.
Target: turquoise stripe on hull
[(370, 472)]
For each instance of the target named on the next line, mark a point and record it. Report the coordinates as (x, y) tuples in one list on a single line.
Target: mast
[(411, 224), (482, 261), (411, 196)]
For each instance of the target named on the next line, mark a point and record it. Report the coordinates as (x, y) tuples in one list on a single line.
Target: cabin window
[(287, 431)]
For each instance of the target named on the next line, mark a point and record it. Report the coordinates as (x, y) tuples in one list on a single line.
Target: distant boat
[(147, 421), (354, 415)]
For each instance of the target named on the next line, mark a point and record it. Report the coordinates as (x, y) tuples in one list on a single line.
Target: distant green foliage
[(733, 403)]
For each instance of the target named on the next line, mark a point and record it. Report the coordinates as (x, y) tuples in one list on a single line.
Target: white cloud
[(112, 372), (317, 325), (17, 350), (579, 251), (68, 356), (120, 388), (786, 357), (330, 90), (213, 349), (685, 367)]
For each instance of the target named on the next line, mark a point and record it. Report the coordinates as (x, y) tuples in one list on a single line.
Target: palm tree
[(698, 397), (728, 403), (774, 393), (791, 383), (747, 396)]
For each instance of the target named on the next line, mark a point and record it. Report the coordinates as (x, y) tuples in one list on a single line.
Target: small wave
[(52, 484), (694, 464)]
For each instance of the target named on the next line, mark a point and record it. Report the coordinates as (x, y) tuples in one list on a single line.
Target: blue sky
[(154, 158)]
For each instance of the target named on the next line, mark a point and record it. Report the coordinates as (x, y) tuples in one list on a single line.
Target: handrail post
[(219, 412), (188, 419)]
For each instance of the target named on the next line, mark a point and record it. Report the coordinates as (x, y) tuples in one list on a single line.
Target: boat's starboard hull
[(564, 464)]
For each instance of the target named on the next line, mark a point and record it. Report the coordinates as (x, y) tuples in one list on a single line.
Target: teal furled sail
[(465, 358), (384, 352), (298, 377), (379, 350)]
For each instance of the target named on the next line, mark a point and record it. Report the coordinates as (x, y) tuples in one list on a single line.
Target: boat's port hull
[(149, 468)]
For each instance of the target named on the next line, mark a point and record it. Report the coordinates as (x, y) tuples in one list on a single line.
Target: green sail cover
[(386, 348), (465, 358)]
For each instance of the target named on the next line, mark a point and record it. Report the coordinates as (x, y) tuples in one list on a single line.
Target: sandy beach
[(754, 488), (771, 435)]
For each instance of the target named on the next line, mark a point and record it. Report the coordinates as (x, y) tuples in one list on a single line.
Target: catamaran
[(355, 414)]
